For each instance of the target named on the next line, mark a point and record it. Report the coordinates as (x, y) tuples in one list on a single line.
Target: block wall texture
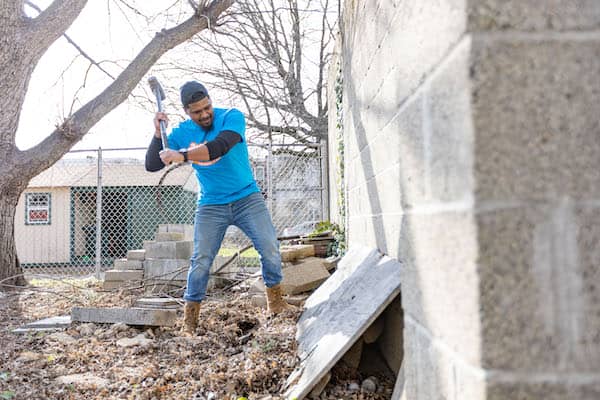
[(472, 140)]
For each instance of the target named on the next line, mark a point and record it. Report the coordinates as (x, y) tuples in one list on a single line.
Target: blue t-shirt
[(227, 178)]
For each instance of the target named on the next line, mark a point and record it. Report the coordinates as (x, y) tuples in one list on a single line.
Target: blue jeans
[(250, 214)]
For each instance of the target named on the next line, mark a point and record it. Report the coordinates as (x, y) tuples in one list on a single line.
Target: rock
[(86, 329), (353, 387), (370, 384), (118, 327), (87, 380), (28, 356), (139, 340), (62, 338)]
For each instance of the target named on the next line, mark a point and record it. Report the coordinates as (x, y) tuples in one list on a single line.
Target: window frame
[(29, 208)]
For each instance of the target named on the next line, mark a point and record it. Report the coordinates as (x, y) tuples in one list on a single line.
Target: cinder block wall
[(472, 139)]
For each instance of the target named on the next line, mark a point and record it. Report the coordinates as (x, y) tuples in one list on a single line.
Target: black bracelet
[(185, 155)]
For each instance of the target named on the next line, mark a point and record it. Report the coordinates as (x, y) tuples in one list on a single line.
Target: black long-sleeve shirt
[(217, 147)]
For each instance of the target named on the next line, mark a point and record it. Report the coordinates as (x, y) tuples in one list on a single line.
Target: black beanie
[(192, 92)]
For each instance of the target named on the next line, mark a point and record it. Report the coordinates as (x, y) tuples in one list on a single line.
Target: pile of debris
[(123, 342)]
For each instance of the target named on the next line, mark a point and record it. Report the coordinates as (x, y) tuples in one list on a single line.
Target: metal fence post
[(269, 173), (99, 215), (324, 158)]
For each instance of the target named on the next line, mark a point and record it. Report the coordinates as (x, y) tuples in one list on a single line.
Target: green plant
[(338, 246)]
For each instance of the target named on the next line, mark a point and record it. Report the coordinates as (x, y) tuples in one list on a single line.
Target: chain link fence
[(93, 206)]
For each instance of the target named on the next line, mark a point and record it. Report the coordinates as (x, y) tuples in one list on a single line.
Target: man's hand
[(160, 116), (171, 156)]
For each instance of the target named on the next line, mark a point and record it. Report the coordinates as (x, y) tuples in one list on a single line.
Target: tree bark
[(22, 42), (11, 273)]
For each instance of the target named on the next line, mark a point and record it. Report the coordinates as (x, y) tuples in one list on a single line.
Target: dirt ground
[(239, 352)]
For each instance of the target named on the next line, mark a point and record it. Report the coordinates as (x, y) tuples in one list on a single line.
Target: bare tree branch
[(52, 23), (77, 125), (72, 42)]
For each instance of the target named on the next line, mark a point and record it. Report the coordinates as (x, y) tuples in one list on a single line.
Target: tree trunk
[(23, 41), (10, 272)]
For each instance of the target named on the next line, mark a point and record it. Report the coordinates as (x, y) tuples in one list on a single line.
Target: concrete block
[(352, 357), (296, 252), (123, 275), (165, 269), (181, 250), (449, 132), (587, 299), (157, 302), (544, 390), (186, 229), (110, 285), (374, 331), (127, 264), (330, 263), (139, 254), (537, 295), (304, 276), (168, 236), (391, 342), (435, 249), (527, 15), (129, 316), (535, 119), (430, 372), (319, 387)]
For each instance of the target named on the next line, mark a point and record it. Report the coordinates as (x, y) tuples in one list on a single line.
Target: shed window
[(37, 208)]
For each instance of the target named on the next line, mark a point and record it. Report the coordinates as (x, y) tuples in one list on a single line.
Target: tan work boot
[(275, 301), (190, 318)]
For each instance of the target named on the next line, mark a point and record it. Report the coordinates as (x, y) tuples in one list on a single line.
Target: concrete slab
[(128, 264), (123, 275), (168, 236), (157, 302), (305, 276), (47, 324), (337, 314), (346, 267), (129, 316)]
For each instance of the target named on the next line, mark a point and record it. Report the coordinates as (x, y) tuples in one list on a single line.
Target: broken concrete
[(129, 316), (47, 324), (338, 313), (305, 276)]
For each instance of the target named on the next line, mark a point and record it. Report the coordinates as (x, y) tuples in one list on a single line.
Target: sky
[(106, 34), (55, 86)]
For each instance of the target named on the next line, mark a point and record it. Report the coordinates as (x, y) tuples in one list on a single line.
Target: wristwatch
[(185, 155)]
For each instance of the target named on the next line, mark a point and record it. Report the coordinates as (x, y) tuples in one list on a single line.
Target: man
[(213, 140)]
